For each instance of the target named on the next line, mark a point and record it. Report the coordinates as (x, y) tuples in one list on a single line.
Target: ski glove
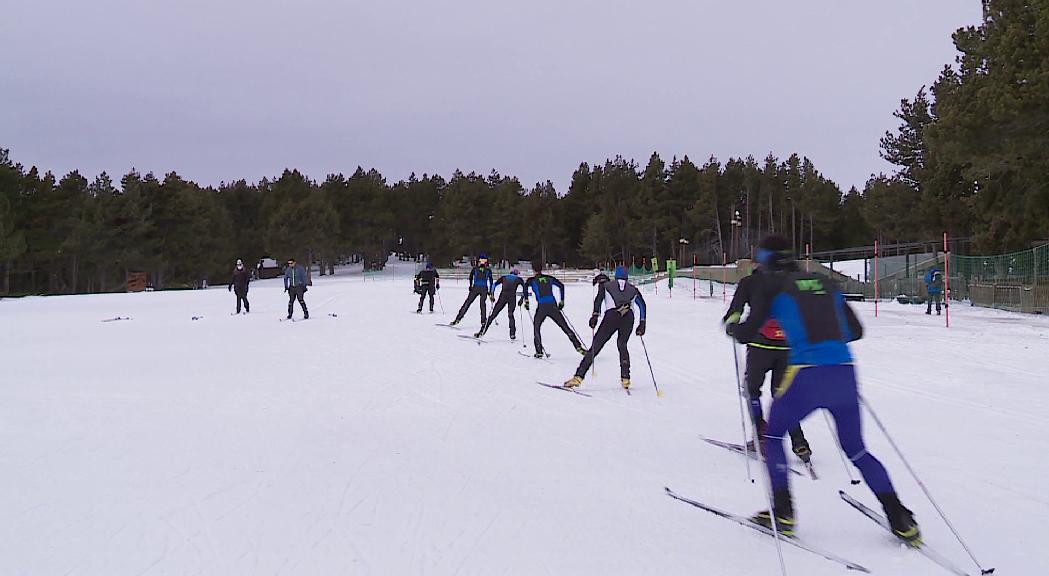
[(526, 304), (640, 328), (593, 321), (491, 297), (561, 305), (730, 329), (229, 288)]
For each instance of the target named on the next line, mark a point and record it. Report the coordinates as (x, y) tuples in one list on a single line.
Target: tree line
[(970, 154), (73, 235)]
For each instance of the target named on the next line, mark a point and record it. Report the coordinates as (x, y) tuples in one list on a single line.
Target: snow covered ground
[(374, 442)]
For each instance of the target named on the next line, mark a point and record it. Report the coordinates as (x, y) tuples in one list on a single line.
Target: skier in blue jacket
[(481, 284), (295, 286), (509, 284), (934, 287)]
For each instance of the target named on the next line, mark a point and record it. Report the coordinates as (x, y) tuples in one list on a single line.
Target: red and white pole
[(875, 278), (946, 281)]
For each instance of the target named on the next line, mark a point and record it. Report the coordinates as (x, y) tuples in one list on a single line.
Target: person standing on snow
[(618, 298), (818, 324), (508, 285), (239, 284), (480, 285), (546, 306), (934, 287), (427, 282), (767, 352), (295, 286)]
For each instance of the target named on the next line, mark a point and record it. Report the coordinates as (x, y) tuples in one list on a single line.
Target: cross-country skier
[(934, 287), (618, 297), (767, 352), (295, 286), (818, 324), (427, 282), (546, 306), (508, 298), (480, 285), (239, 284)]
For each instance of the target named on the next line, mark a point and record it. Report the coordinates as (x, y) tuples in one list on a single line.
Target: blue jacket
[(481, 277), (933, 285), (294, 276), (812, 311)]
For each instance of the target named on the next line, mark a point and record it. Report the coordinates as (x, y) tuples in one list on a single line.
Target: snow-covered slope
[(374, 442)]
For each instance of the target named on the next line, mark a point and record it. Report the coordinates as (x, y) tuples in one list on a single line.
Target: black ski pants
[(297, 293), (422, 296), (511, 306), (612, 323), (761, 361), (242, 297), (475, 291), (550, 310)]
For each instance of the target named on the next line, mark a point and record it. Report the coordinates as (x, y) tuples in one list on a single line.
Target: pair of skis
[(752, 454), (877, 518)]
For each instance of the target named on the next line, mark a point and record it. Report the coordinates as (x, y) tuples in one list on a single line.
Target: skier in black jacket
[(427, 282), (239, 284), (767, 352), (618, 298), (480, 285), (508, 283), (546, 306)]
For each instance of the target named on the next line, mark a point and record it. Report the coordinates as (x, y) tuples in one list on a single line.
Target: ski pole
[(924, 488), (439, 300), (841, 452), (766, 480), (742, 418), (659, 393)]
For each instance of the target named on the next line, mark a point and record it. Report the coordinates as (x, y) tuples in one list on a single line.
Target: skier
[(818, 325), (508, 284), (618, 297), (295, 286), (480, 285), (768, 352), (240, 280), (546, 306), (934, 287), (427, 281)]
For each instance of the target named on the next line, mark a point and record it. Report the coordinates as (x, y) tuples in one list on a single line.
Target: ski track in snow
[(376, 443)]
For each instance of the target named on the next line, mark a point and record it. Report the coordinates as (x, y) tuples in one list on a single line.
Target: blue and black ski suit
[(508, 285), (480, 285), (547, 307), (818, 324)]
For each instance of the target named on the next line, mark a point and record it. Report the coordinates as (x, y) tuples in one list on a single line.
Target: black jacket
[(770, 335), (240, 280)]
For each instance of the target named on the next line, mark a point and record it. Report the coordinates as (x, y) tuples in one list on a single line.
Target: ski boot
[(573, 382), (419, 310), (901, 520), (783, 513), (580, 349), (305, 315), (802, 450), (478, 334), (625, 382), (453, 323)]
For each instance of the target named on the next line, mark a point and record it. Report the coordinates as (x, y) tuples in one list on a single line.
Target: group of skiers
[(615, 298), (799, 327), (295, 281)]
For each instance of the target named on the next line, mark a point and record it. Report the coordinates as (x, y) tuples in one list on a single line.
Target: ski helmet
[(775, 252), (429, 265)]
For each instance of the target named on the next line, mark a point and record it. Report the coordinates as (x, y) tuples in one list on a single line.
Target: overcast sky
[(219, 90)]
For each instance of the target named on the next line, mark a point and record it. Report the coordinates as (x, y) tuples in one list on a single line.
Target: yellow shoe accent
[(625, 382), (573, 382)]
